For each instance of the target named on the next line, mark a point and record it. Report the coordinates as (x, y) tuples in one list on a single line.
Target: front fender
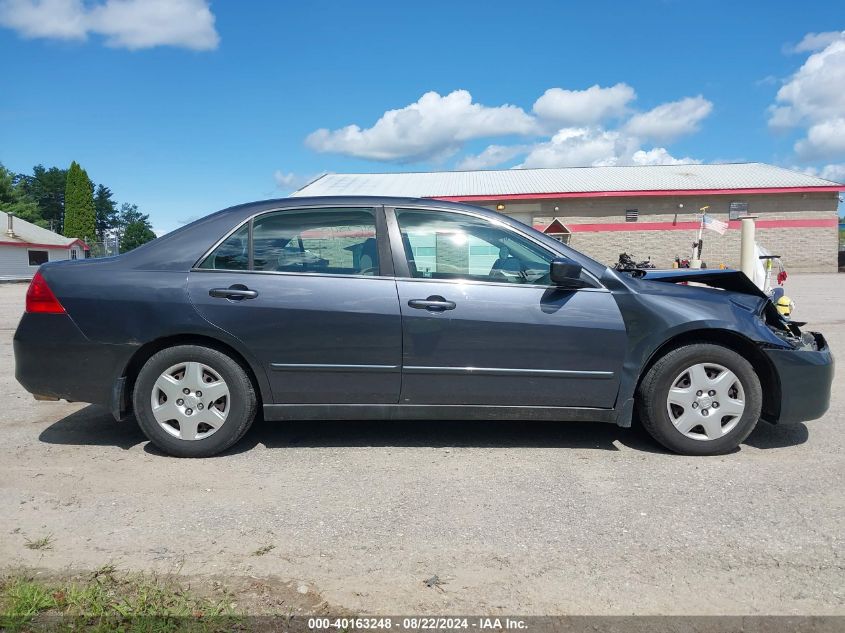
[(654, 320)]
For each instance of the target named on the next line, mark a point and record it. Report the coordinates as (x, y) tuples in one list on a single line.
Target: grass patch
[(108, 601), (266, 549), (43, 543)]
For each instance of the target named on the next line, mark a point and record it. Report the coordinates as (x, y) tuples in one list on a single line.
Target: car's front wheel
[(193, 401), (700, 399)]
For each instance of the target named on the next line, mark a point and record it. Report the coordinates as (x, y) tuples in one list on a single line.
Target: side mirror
[(565, 272)]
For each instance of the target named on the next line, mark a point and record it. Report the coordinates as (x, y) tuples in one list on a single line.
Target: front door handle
[(236, 292), (435, 303)]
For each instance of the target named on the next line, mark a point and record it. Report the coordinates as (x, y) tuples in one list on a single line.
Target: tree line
[(67, 201)]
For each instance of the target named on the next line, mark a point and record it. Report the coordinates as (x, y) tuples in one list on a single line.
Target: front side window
[(328, 241), (443, 245), (36, 258)]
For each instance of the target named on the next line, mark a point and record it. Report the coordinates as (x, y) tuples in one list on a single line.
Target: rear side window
[(328, 241), (232, 254)]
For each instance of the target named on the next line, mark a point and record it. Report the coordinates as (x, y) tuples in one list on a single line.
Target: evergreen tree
[(80, 215), (133, 227), (7, 190), (46, 187), (136, 233), (106, 210), (14, 200)]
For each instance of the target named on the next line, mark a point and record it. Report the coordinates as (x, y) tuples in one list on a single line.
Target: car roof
[(311, 201)]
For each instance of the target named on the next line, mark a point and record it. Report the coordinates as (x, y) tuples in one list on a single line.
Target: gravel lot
[(528, 518)]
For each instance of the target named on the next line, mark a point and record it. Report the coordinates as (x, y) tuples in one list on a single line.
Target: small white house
[(25, 246)]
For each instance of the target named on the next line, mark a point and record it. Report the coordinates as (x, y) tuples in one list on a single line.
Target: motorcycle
[(626, 262)]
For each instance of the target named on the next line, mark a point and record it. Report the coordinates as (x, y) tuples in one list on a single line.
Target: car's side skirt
[(433, 412)]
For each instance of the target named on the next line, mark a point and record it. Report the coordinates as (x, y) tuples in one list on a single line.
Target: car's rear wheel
[(700, 399), (193, 401)]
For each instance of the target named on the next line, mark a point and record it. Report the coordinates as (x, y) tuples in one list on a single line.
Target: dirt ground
[(513, 518)]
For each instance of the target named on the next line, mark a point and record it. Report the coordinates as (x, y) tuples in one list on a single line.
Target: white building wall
[(14, 260)]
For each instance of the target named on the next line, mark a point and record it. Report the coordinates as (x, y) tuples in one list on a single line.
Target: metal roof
[(574, 181), (28, 233)]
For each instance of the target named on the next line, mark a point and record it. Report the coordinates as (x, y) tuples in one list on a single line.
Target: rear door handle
[(236, 292), (434, 303)]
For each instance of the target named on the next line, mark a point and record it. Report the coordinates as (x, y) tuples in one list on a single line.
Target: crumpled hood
[(726, 279), (734, 285)]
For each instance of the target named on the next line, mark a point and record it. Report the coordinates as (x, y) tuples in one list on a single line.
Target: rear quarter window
[(231, 254)]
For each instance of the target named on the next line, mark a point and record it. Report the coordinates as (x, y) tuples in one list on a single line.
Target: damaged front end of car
[(790, 331), (801, 360), (736, 281)]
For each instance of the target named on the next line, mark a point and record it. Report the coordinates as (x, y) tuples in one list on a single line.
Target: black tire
[(242, 401), (654, 390)]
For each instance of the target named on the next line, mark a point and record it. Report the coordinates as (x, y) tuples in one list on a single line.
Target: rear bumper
[(805, 378), (53, 358)]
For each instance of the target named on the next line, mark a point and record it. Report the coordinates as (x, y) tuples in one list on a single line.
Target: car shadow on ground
[(768, 436), (94, 426)]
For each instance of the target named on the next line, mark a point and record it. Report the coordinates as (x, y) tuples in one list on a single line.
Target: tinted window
[(443, 245), (232, 254), (36, 258), (330, 241)]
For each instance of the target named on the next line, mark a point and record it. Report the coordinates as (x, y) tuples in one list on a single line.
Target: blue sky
[(185, 107)]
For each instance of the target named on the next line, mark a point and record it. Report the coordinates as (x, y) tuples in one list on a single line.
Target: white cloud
[(60, 19), (572, 147), (492, 156), (435, 127), (823, 140), (671, 120), (131, 24), (768, 80), (816, 41), (285, 180), (582, 107), (813, 97), (814, 92), (137, 24), (597, 147), (660, 156), (834, 172), (289, 181)]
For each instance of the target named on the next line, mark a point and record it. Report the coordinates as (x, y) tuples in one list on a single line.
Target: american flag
[(714, 224)]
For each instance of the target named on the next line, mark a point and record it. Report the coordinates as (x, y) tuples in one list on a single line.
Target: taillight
[(39, 297)]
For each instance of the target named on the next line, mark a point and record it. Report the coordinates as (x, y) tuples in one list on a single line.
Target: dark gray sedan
[(385, 308)]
